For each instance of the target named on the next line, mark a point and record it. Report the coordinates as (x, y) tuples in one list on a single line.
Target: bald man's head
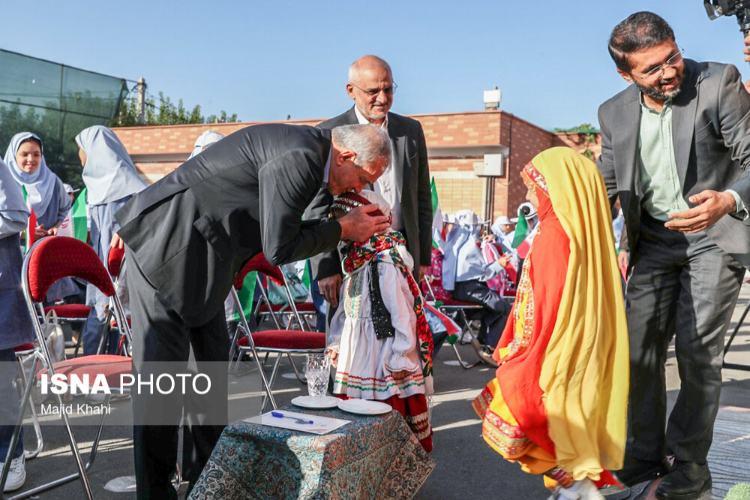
[(371, 87)]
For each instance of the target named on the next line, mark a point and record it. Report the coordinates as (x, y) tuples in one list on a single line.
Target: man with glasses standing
[(405, 184), (675, 149)]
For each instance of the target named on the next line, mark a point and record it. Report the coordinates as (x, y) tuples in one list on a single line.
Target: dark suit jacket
[(711, 138), (412, 172), (193, 230)]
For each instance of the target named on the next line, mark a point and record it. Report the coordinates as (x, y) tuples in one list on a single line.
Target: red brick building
[(456, 143)]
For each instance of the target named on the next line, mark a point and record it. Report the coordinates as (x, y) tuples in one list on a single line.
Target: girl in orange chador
[(558, 403)]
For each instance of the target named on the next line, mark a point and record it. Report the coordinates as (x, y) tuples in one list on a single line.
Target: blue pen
[(278, 414)]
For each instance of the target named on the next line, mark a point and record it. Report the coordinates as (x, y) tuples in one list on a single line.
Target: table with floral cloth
[(371, 457)]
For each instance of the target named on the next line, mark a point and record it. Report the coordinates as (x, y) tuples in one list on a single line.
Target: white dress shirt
[(386, 185)]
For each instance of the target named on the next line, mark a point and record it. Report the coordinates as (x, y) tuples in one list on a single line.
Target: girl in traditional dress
[(15, 324), (379, 339), (46, 197), (558, 403), (111, 179)]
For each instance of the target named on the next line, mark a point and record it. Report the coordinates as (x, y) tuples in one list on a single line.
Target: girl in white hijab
[(111, 179), (45, 193), (205, 140)]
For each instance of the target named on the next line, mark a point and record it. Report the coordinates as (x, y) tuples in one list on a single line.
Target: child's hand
[(401, 374), (333, 355)]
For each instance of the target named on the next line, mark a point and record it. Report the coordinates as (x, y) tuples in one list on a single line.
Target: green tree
[(587, 132), (166, 112)]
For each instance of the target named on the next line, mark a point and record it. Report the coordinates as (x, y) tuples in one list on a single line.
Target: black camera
[(738, 8)]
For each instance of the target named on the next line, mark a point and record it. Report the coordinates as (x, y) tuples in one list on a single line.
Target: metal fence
[(56, 102)]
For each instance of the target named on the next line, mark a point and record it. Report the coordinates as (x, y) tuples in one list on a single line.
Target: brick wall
[(525, 140), (157, 150)]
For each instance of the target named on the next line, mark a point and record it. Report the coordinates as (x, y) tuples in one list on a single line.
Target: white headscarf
[(12, 205), (497, 226), (466, 226), (40, 186), (109, 173), (205, 140), (378, 200)]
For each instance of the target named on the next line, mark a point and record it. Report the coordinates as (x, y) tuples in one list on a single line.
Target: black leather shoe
[(638, 471), (687, 480)]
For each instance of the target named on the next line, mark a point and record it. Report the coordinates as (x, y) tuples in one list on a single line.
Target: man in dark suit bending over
[(188, 235)]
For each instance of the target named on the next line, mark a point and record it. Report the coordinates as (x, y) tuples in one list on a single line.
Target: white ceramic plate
[(316, 403), (364, 407)]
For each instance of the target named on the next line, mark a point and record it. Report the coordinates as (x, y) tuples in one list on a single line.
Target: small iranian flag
[(522, 237), (31, 224), (437, 217), (246, 295), (78, 214)]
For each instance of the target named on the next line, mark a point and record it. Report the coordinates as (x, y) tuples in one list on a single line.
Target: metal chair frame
[(43, 355), (736, 366), (460, 311), (244, 327)]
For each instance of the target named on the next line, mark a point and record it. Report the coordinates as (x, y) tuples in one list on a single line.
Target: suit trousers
[(160, 335), (682, 287), (495, 309)]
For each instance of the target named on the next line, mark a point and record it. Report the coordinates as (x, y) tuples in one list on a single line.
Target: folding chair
[(115, 260), (74, 314), (736, 366), (278, 341), (24, 352), (49, 260), (458, 309), (299, 313)]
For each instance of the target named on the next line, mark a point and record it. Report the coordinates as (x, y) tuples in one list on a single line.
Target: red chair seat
[(286, 339), (459, 303), (306, 307), (24, 347), (110, 365), (303, 307), (70, 311)]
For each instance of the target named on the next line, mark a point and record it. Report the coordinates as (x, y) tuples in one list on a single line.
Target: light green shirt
[(659, 182)]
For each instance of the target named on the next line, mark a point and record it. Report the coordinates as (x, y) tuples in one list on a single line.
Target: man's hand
[(424, 271), (710, 207), (359, 224), (623, 259), (117, 242), (329, 289), (40, 231)]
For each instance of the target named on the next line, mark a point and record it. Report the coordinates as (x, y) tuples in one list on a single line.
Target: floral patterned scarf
[(357, 255)]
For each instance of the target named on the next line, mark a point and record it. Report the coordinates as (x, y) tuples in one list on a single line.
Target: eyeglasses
[(673, 60), (374, 92)]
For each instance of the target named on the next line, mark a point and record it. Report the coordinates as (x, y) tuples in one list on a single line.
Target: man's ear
[(344, 156), (626, 76), (350, 90)]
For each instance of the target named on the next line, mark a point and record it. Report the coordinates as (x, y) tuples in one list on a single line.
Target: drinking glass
[(317, 371)]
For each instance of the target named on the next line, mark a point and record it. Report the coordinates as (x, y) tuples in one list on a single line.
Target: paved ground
[(466, 467)]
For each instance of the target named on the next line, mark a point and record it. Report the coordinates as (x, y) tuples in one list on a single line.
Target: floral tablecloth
[(371, 457)]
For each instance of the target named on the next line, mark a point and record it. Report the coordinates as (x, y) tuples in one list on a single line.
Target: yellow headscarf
[(585, 372)]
